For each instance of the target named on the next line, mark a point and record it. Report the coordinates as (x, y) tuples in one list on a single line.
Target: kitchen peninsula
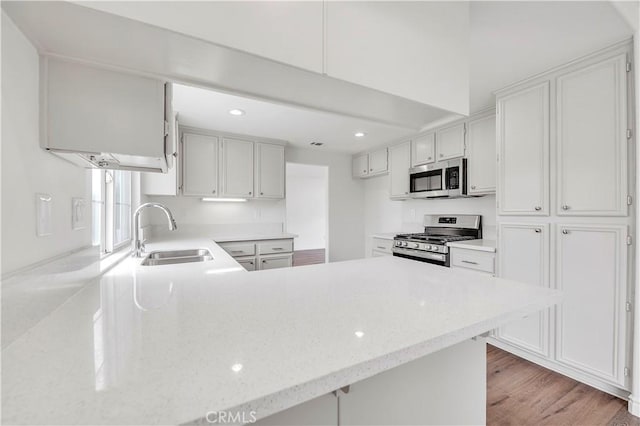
[(178, 344)]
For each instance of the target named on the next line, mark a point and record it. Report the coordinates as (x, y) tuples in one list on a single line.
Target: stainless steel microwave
[(442, 179)]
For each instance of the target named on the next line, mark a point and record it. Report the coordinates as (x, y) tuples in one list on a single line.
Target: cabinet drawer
[(274, 262), (473, 259), (248, 263), (241, 248), (380, 244), (379, 253), (275, 246)]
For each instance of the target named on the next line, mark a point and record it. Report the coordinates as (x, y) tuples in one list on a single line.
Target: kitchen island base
[(447, 387)]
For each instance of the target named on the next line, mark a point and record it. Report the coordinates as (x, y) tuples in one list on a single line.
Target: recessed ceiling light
[(236, 112), (359, 134), (236, 368)]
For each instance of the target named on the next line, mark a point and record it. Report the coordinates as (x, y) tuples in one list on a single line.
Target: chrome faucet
[(137, 244)]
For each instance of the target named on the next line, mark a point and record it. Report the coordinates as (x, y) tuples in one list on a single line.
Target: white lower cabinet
[(261, 254), (591, 322), (475, 260), (523, 255), (275, 261), (248, 263), (381, 247)]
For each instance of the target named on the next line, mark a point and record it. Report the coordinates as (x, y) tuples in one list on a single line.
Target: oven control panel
[(414, 245)]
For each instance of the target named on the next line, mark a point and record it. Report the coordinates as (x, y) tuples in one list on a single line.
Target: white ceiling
[(512, 40), (207, 109)]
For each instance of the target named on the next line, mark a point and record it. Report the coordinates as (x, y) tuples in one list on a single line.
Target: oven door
[(422, 256), (427, 181)]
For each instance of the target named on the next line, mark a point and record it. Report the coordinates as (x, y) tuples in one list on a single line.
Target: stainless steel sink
[(170, 257)]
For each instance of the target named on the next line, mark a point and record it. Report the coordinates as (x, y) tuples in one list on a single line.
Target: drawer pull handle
[(277, 248), (381, 248), (469, 262)]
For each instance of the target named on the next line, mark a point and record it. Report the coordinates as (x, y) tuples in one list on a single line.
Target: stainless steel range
[(430, 246)]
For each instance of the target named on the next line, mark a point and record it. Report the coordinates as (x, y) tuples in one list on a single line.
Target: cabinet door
[(523, 256), (399, 161), (269, 171), (360, 165), (523, 152), (274, 262), (481, 155), (423, 149), (450, 142), (236, 165), (592, 319), (248, 263), (200, 165), (378, 162), (592, 141)]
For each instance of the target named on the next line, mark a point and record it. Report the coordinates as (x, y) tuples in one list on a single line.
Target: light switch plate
[(44, 225), (77, 213)]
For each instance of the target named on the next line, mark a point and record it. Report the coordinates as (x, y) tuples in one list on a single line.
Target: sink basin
[(170, 257)]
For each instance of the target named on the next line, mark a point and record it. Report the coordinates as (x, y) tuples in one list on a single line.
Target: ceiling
[(208, 109), (512, 40)]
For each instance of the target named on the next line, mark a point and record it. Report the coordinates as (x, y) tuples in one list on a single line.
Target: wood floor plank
[(521, 393), (308, 257)]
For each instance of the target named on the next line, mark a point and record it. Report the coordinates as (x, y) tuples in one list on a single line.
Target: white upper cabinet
[(391, 46), (399, 163), (481, 155), (450, 142), (423, 149), (523, 151), (524, 256), (591, 139), (378, 162), (270, 176), (236, 168), (591, 272), (360, 165), (200, 165)]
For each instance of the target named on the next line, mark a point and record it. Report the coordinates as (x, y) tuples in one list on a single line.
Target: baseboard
[(550, 365)]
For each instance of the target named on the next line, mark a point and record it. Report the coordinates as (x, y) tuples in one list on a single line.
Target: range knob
[(416, 245)]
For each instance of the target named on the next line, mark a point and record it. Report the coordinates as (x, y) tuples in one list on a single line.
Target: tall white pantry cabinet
[(565, 214)]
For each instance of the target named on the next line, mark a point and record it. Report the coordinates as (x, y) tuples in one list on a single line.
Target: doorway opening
[(307, 212)]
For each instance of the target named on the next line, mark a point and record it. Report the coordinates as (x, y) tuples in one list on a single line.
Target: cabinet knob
[(537, 208), (473, 187), (370, 170), (565, 231), (565, 207), (406, 193), (538, 230), (428, 158), (364, 171), (441, 155), (249, 192), (213, 192), (262, 193)]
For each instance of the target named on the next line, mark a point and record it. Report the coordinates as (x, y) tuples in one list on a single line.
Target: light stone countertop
[(167, 344), (479, 245), (386, 235)]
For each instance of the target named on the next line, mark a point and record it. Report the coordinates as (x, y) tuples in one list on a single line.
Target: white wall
[(193, 211), (27, 169), (385, 215), (307, 205), (346, 201)]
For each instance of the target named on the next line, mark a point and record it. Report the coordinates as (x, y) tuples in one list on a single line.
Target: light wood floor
[(308, 257), (522, 393)]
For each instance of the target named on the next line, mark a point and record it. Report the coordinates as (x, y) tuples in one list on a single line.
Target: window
[(111, 209)]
